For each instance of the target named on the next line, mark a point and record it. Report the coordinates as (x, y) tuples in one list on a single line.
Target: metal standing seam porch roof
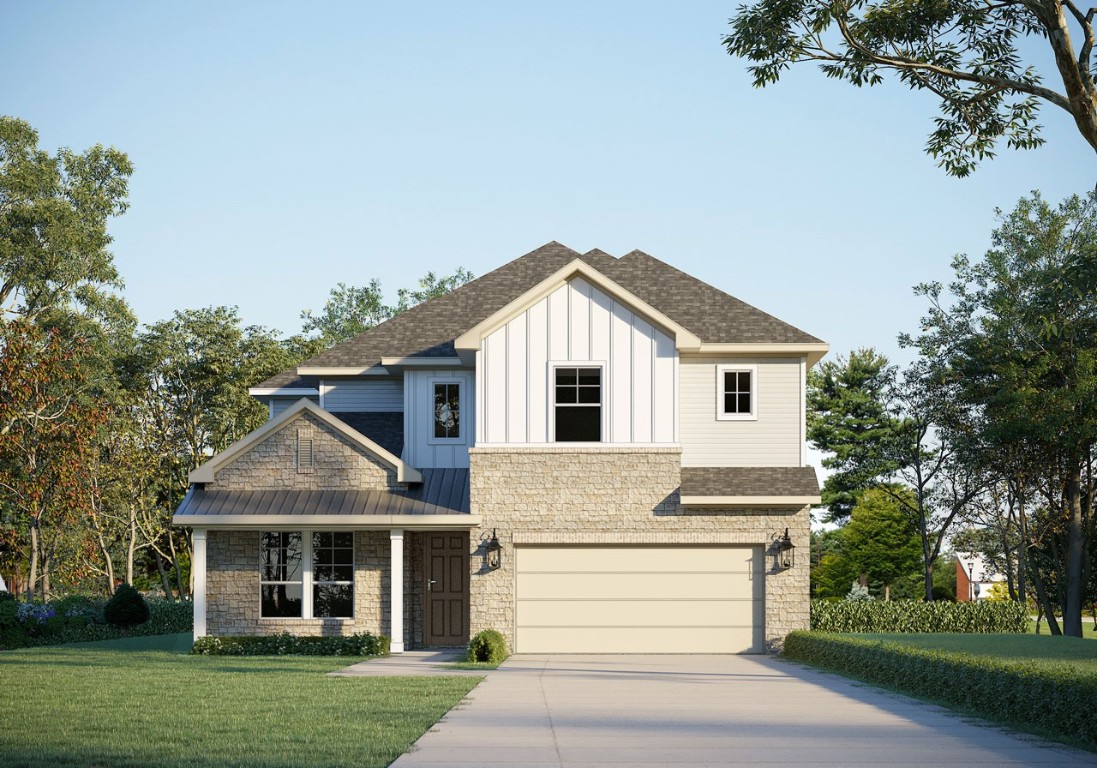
[(442, 500)]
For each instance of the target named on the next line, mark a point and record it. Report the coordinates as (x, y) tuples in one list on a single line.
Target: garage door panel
[(633, 585), (649, 640), (650, 613), (656, 599), (646, 559)]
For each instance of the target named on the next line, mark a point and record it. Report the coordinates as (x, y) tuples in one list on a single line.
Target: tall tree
[(879, 539), (880, 430), (53, 215), (979, 58), (1017, 344)]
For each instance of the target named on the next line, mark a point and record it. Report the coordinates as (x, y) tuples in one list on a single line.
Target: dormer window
[(736, 392), (578, 403), (447, 410)]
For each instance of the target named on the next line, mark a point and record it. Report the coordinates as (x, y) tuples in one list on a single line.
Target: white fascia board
[(207, 473), (813, 352), (422, 362), (470, 339), (283, 392), (750, 501), (372, 370), (328, 522)]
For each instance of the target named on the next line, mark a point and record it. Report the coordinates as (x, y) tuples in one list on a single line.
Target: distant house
[(974, 578), (587, 453)]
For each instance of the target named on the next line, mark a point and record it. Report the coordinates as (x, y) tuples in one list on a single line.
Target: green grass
[(140, 702), (1043, 651), (1087, 629)]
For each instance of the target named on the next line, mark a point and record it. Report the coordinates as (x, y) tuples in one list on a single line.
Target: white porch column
[(396, 589), (198, 568)]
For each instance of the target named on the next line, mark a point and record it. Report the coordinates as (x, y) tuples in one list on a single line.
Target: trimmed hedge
[(917, 616), (77, 619), (488, 646), (285, 644), (1050, 700)]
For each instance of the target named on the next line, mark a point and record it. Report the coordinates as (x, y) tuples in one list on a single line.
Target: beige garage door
[(639, 600)]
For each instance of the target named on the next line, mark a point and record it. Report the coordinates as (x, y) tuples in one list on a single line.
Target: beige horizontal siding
[(772, 440)]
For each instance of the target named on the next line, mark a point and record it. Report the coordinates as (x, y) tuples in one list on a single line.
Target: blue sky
[(281, 148)]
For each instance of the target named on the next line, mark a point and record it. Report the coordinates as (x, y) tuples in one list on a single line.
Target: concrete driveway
[(705, 711)]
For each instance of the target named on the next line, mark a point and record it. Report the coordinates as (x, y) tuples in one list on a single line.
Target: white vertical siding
[(358, 395), (420, 447), (578, 323), (772, 440)]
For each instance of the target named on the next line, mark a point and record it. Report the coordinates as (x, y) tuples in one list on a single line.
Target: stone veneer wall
[(337, 463), (608, 495), (232, 589)]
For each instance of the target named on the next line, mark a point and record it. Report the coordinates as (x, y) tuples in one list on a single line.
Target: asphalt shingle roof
[(749, 481), (429, 329)]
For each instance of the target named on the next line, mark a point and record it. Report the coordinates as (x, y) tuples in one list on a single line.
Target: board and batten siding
[(363, 395), (578, 323), (421, 448), (774, 439)]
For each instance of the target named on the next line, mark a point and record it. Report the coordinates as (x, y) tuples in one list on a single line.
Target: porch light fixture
[(493, 552), (785, 552)]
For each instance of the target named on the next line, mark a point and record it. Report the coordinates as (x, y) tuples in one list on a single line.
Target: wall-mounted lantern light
[(784, 552), (493, 551)]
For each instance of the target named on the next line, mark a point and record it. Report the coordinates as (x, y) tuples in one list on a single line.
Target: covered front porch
[(334, 562)]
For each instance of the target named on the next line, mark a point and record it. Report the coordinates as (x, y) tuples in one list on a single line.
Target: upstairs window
[(736, 392), (447, 410), (578, 404)]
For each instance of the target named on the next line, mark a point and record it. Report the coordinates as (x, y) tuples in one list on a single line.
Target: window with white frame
[(736, 392), (306, 575), (447, 410), (577, 401)]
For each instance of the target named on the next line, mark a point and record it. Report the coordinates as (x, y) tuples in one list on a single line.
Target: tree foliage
[(351, 310), (53, 215), (975, 56), (880, 540), (1015, 346)]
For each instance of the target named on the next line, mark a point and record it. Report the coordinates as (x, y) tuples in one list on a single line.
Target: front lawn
[(141, 702), (1041, 684)]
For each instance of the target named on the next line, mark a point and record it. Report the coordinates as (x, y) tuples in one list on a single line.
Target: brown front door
[(447, 593)]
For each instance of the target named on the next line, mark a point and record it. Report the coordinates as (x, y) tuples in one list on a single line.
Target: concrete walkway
[(705, 711)]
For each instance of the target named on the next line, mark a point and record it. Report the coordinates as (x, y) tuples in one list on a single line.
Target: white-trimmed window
[(306, 575), (577, 402), (736, 392), (446, 414)]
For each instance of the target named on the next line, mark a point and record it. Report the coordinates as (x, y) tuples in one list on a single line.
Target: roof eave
[(751, 501)]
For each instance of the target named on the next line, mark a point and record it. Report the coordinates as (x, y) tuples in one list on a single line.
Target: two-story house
[(586, 453)]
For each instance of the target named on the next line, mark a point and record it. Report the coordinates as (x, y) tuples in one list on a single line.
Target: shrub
[(285, 644), (77, 619), (917, 616), (488, 647), (1053, 700), (943, 593), (126, 608)]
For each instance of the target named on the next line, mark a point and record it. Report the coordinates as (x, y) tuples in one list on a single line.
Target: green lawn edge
[(1051, 693), (129, 706)]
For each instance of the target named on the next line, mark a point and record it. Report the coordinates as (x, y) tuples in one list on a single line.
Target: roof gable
[(470, 339), (430, 330), (207, 473)]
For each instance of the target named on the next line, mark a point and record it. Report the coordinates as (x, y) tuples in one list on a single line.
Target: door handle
[(430, 585)]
